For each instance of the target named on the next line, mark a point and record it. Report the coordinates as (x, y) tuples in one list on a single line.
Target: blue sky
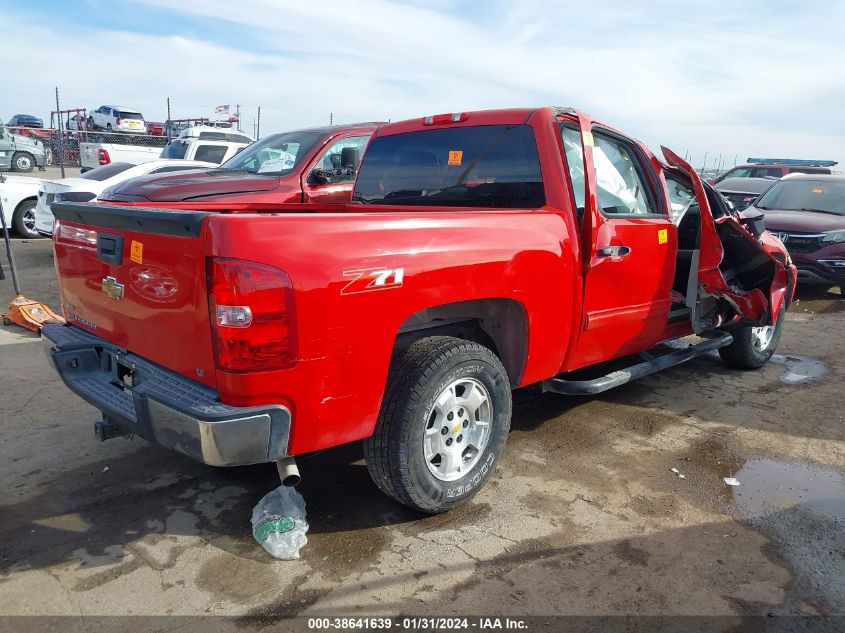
[(763, 78)]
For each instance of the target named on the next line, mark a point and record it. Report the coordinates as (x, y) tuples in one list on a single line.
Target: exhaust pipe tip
[(288, 472)]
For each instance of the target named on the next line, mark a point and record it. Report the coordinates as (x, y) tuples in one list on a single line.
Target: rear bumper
[(162, 406)]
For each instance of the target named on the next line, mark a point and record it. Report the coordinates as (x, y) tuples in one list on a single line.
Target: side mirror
[(319, 177), (753, 221)]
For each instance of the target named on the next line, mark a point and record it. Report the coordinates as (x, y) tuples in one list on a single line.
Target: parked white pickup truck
[(92, 155), (203, 143)]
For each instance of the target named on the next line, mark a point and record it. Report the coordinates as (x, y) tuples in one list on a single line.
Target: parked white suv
[(117, 119)]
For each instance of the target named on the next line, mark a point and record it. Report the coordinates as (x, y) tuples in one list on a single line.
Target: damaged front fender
[(753, 276)]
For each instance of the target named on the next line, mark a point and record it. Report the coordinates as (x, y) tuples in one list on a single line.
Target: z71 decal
[(369, 279)]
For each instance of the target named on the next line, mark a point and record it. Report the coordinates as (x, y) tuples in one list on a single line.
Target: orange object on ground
[(29, 314)]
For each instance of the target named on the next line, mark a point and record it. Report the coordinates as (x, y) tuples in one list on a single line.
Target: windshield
[(275, 155), (805, 195), (480, 166)]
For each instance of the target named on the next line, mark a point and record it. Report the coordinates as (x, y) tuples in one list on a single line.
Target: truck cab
[(314, 165), (20, 153)]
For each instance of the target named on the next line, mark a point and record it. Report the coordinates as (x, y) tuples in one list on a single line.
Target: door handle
[(614, 251)]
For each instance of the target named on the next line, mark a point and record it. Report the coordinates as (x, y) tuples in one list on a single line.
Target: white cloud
[(757, 80)]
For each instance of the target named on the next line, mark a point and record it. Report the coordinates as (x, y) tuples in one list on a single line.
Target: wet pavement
[(583, 515)]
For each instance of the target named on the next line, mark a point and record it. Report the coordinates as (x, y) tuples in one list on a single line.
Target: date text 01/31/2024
[(417, 624)]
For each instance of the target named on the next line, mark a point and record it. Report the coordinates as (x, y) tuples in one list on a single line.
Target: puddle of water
[(799, 369), (768, 485)]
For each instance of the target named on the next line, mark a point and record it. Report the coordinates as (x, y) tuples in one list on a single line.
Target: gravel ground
[(583, 516)]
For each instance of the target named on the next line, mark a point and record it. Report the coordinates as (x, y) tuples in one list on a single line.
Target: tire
[(443, 389), (109, 128), (23, 162), (23, 220), (748, 350), (90, 123)]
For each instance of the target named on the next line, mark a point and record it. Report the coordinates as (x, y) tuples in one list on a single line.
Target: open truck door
[(734, 262)]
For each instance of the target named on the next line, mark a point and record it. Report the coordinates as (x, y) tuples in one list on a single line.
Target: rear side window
[(174, 149), (106, 171), (211, 153), (481, 166), (766, 172)]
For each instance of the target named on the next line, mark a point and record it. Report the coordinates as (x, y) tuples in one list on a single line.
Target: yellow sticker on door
[(456, 156), (662, 236), (136, 252)]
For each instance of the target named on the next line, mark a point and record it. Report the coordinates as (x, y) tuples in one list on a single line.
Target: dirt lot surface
[(583, 516), (51, 172)]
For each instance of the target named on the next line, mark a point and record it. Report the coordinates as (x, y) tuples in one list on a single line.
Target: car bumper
[(43, 218), (817, 274), (162, 406)]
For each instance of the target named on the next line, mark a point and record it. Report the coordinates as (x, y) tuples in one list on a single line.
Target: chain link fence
[(63, 147)]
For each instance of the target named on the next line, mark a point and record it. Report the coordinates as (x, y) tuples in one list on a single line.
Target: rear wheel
[(23, 219), (23, 161), (443, 423), (752, 347)]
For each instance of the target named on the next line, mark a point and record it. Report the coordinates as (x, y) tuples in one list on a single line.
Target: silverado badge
[(112, 288)]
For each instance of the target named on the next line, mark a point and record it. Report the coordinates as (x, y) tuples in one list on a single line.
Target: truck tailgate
[(137, 278)]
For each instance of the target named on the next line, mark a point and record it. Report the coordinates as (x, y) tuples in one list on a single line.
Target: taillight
[(252, 316), (443, 119), (103, 156), (117, 121)]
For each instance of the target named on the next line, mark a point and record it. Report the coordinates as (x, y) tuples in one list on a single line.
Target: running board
[(650, 364)]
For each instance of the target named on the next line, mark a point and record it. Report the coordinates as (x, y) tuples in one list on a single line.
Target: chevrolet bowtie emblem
[(112, 288)]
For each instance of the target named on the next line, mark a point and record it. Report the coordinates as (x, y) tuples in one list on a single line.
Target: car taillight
[(103, 156), (252, 315), (117, 121)]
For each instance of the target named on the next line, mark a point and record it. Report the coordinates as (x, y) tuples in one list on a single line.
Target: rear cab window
[(475, 166), (106, 171), (211, 153)]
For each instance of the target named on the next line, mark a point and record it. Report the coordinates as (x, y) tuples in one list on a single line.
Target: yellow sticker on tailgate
[(136, 252), (662, 236), (456, 156)]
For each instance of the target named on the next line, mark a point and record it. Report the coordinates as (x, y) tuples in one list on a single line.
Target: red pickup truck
[(312, 165), (481, 252)]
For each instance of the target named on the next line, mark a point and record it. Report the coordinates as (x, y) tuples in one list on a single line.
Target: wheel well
[(24, 201), (499, 324)]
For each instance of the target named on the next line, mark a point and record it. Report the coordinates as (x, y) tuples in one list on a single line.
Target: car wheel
[(23, 161), (443, 423), (23, 220), (109, 128), (752, 347)]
